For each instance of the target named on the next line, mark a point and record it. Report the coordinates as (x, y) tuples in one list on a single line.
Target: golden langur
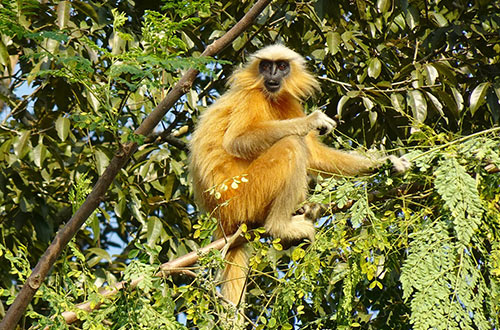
[(258, 129)]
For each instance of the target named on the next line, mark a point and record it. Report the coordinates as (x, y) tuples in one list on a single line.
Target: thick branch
[(23, 298)]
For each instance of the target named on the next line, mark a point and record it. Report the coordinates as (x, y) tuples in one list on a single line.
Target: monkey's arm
[(248, 138), (325, 159)]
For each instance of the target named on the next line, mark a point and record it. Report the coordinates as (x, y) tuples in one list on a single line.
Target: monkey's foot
[(311, 211), (295, 231)]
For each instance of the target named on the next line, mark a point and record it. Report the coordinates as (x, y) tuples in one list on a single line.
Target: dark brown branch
[(491, 168), (168, 138), (23, 298)]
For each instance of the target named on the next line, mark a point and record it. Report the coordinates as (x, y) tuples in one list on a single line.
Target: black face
[(273, 73)]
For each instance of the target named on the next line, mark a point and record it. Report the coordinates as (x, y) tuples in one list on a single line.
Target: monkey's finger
[(327, 127), (322, 130)]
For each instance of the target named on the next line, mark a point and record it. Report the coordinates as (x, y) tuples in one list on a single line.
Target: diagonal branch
[(23, 298)]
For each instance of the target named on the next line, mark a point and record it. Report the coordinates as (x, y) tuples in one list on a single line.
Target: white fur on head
[(278, 52)]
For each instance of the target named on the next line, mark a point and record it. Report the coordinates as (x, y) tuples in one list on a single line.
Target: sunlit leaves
[(432, 74), (477, 96), (459, 192), (374, 67), (333, 41), (62, 127), (341, 104), (397, 101), (418, 105), (102, 161), (39, 153), (21, 144), (383, 5)]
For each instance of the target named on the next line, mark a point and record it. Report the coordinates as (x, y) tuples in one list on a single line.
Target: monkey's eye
[(282, 65), (265, 66)]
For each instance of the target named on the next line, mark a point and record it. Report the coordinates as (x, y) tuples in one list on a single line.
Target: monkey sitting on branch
[(257, 139)]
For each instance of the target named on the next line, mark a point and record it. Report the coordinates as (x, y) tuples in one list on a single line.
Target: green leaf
[(418, 105), (20, 145), (494, 103), (341, 104), (478, 96), (449, 103), (372, 116), (239, 42), (333, 41), (155, 227), (459, 192), (383, 5), (120, 205), (412, 17), (438, 19), (298, 253), (432, 74), (397, 101), (86, 9), (39, 153), (368, 103), (62, 127), (102, 161), (374, 67), (459, 100), (435, 102), (4, 57), (319, 54), (445, 71), (63, 9), (101, 253)]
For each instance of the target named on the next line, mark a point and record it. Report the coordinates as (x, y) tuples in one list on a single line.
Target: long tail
[(234, 275)]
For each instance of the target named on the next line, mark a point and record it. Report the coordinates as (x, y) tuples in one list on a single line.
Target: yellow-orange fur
[(268, 137)]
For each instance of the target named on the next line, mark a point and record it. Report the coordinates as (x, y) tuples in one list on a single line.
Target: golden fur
[(267, 137)]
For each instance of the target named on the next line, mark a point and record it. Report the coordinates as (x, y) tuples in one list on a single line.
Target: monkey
[(257, 135)]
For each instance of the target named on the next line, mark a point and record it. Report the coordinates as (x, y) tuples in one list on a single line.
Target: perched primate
[(258, 130)]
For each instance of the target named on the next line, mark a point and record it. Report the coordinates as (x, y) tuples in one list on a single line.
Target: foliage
[(416, 251)]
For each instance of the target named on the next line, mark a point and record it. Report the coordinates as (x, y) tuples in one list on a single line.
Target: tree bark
[(23, 298)]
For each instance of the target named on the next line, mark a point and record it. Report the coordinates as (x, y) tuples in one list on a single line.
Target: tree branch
[(23, 298)]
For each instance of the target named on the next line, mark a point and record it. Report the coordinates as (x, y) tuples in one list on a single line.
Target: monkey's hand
[(399, 164), (321, 122)]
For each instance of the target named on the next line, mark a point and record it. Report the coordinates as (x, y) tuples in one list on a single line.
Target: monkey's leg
[(283, 185)]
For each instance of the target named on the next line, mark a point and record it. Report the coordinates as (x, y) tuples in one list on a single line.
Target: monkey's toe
[(310, 211)]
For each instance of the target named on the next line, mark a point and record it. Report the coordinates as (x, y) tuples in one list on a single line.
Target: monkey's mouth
[(272, 85)]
